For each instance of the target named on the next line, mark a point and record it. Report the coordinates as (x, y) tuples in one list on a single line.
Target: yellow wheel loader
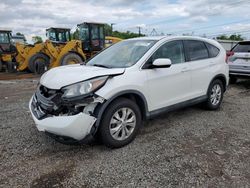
[(37, 58), (60, 50)]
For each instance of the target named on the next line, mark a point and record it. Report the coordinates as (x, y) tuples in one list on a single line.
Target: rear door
[(201, 66)]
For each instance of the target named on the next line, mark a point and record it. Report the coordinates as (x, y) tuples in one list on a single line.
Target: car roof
[(166, 38)]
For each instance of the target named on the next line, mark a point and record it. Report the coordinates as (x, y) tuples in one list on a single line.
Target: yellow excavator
[(59, 49)]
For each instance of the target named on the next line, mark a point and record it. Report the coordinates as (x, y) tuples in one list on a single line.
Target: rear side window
[(213, 50), (242, 47), (196, 50)]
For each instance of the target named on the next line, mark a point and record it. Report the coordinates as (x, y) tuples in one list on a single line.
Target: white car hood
[(59, 77)]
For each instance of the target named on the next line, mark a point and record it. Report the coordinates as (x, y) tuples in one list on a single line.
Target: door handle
[(185, 70)]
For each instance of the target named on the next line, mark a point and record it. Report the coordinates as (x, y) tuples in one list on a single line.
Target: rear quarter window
[(242, 47), (212, 50), (196, 50)]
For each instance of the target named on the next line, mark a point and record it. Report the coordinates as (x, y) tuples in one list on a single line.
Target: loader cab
[(60, 35), (92, 36), (5, 41)]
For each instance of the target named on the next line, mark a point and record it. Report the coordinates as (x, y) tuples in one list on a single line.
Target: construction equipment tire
[(71, 58), (40, 67), (37, 58), (11, 67), (1, 66)]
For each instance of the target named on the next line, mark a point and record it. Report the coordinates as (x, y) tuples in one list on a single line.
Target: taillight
[(229, 53)]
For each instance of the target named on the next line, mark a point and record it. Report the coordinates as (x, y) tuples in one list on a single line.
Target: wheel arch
[(222, 78), (133, 95)]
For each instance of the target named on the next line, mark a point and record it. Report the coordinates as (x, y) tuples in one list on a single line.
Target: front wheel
[(11, 67), (38, 58), (215, 95), (120, 123)]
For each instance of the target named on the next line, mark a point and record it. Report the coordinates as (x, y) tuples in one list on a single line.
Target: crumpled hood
[(59, 77)]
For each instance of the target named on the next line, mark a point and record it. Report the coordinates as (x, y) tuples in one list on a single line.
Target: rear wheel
[(215, 95), (11, 67), (120, 123), (38, 58), (40, 68), (71, 58)]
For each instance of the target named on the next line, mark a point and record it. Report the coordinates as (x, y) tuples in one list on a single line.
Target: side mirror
[(162, 63)]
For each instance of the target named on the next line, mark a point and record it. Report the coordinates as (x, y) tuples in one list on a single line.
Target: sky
[(155, 17)]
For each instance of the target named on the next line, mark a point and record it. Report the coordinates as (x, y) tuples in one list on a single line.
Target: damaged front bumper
[(77, 125)]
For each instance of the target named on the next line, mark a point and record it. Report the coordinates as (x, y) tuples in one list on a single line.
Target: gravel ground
[(186, 148)]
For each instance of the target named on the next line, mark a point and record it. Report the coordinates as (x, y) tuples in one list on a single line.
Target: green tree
[(236, 37), (231, 37), (222, 37), (108, 30), (37, 39), (75, 34), (122, 35)]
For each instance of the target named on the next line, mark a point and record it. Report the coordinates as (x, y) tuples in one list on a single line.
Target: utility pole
[(139, 30)]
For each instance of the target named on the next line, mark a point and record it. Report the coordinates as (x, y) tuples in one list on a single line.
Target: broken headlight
[(84, 88)]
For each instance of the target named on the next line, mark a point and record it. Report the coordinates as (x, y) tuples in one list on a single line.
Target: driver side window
[(172, 50)]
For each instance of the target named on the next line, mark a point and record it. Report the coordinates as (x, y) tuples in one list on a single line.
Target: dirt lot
[(186, 148)]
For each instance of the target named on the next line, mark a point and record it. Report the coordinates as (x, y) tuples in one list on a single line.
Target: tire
[(118, 108), (215, 95), (11, 67), (233, 80), (71, 58), (40, 67), (1, 66), (37, 58)]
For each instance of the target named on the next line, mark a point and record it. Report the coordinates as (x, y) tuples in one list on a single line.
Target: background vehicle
[(239, 61), (104, 99), (59, 49), (7, 51)]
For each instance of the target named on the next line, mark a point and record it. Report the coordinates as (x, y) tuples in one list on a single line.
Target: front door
[(168, 86)]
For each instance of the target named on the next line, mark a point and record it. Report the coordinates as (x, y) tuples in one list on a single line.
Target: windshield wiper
[(99, 65)]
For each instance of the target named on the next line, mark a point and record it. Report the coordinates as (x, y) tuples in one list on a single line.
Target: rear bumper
[(75, 126), (239, 72)]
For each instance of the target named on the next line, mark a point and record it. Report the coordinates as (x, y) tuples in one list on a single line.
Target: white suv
[(127, 83)]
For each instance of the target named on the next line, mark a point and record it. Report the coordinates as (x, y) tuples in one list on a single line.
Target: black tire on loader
[(1, 66), (40, 68), (11, 67), (35, 59), (71, 58)]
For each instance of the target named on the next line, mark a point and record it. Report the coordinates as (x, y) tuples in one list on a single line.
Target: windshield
[(51, 35), (123, 54), (83, 32), (242, 47), (4, 38)]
